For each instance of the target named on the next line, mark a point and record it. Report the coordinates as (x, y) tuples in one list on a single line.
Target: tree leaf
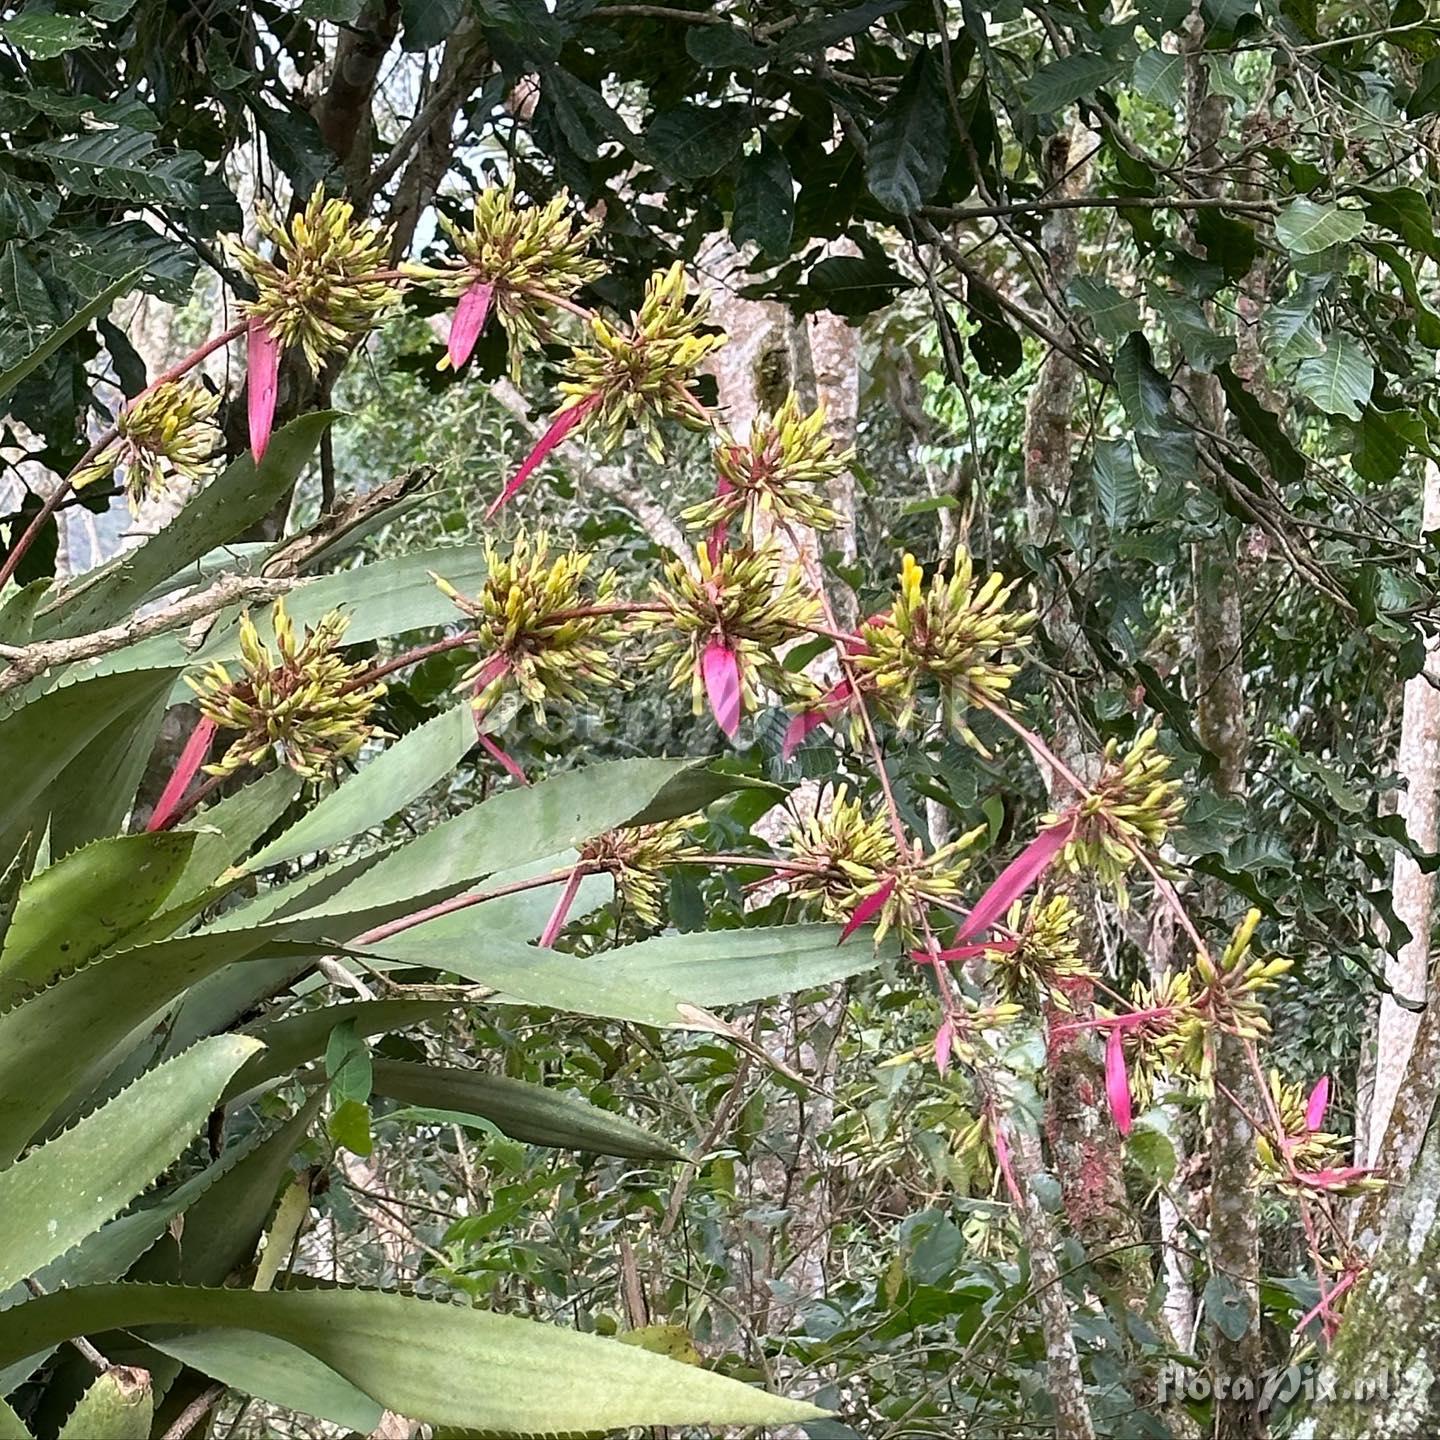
[(1306, 227), (764, 201), (909, 146), (38, 741), (61, 1040), (693, 141), (1070, 78), (226, 830), (536, 1114), (69, 1187), (1143, 391), (1287, 328), (510, 829), (724, 47), (1202, 348), (395, 777), (434, 1362), (46, 346), (11, 1427), (1340, 379), (1159, 76), (1117, 484), (1262, 428), (122, 164), (1113, 315), (43, 37), (1405, 212), (88, 902), (295, 1040), (527, 975)]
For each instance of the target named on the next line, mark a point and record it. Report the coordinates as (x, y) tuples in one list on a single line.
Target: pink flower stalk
[(262, 360), (1117, 1082), (720, 669), (471, 313), (508, 761), (830, 704), (944, 1043), (1002, 1159), (960, 952), (496, 667), (867, 909), (1316, 1106), (167, 808), (560, 426), (1016, 878), (1330, 1321), (556, 923), (720, 531)]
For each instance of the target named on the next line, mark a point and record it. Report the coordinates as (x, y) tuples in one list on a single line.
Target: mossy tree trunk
[(1382, 1379)]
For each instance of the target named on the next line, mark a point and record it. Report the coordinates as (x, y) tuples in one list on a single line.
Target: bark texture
[(1234, 1250), (1382, 1379), (1408, 972), (1083, 1142)]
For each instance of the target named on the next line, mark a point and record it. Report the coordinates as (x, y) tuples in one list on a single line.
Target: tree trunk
[(1414, 891), (1084, 1144), (1234, 1249), (1382, 1379)]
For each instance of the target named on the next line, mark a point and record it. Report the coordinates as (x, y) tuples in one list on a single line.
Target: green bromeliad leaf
[(430, 1361), (395, 777), (69, 1187), (537, 1114), (118, 1406), (86, 903)]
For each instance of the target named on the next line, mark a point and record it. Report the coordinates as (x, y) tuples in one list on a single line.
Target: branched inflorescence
[(168, 433), (322, 287), (539, 624), (299, 702), (942, 650), (1133, 804)]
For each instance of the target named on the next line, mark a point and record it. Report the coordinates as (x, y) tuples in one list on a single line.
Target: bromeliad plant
[(137, 968)]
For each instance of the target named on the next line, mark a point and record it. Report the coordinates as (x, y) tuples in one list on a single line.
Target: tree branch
[(28, 661)]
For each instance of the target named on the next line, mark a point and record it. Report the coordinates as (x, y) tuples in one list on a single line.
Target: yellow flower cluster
[(299, 702), (781, 473), (531, 255), (323, 291), (850, 857), (637, 856), (1044, 951), (167, 433), (949, 637), (642, 375), (751, 599), (1135, 799), (528, 629)]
